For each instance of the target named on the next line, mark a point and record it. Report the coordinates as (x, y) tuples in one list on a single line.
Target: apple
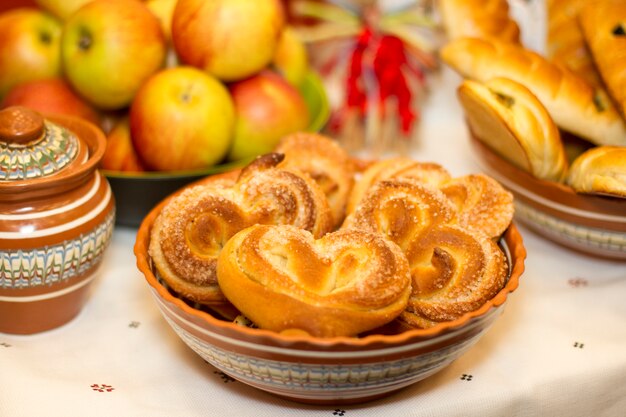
[(163, 10), (291, 57), (120, 154), (230, 39), (182, 118), (29, 47), (61, 8), (50, 95), (267, 108), (109, 48)]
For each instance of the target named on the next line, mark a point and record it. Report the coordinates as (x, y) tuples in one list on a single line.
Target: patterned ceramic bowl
[(56, 218), (326, 371), (591, 224)]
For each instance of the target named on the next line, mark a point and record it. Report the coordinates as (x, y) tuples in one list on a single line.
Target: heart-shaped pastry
[(195, 224), (283, 279)]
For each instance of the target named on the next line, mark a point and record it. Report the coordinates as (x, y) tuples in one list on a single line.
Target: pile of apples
[(175, 84)]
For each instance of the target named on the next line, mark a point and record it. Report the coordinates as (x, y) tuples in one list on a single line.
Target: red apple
[(120, 154), (52, 95), (267, 108), (109, 48), (29, 47), (231, 39), (182, 118)]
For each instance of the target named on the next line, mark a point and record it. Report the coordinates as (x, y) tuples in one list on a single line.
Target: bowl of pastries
[(551, 126), (324, 279)]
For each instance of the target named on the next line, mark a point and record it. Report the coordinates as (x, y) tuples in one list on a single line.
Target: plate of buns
[(551, 126), (326, 279)]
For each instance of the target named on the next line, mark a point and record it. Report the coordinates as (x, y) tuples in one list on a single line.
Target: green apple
[(267, 108), (230, 39), (109, 48), (29, 47), (61, 8), (182, 118), (291, 57)]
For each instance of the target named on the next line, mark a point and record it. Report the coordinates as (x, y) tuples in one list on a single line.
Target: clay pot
[(56, 217)]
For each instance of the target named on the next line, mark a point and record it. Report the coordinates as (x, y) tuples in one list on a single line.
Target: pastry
[(481, 203), (194, 225), (453, 271), (510, 120), (565, 43), (478, 18), (570, 100), (603, 25), (600, 170), (326, 162), (396, 168), (283, 279)]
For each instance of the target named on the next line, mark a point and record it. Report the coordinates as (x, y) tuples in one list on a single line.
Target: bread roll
[(342, 284), (478, 18), (603, 25), (509, 119), (565, 42), (571, 102), (600, 170)]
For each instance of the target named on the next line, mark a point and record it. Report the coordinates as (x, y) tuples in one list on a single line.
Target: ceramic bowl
[(591, 224), (138, 193), (325, 370), (56, 220)]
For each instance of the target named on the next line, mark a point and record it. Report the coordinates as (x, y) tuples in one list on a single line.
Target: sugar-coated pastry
[(600, 170), (344, 283), (453, 271), (603, 25), (478, 18), (194, 225), (326, 162), (572, 103), (396, 168), (481, 203), (510, 120)]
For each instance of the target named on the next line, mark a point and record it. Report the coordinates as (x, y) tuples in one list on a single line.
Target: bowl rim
[(515, 252)]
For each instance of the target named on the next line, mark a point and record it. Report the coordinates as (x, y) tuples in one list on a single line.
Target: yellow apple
[(109, 48), (182, 118), (29, 47), (291, 57), (230, 39), (267, 108), (61, 8), (163, 10)]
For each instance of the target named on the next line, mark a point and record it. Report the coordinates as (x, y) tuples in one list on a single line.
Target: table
[(559, 349)]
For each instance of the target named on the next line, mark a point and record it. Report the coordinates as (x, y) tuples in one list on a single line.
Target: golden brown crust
[(396, 168), (565, 42), (326, 162), (454, 271), (570, 100), (509, 119), (195, 224), (604, 28), (342, 284), (478, 18), (600, 170)]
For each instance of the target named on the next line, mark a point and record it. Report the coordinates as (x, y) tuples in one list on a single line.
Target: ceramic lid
[(32, 147)]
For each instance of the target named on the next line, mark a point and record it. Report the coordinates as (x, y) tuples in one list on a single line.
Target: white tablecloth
[(559, 349)]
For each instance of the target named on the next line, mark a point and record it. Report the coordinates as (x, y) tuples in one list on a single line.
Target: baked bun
[(604, 28), (569, 99), (194, 225), (396, 168), (342, 284), (454, 271), (478, 18), (565, 43), (326, 162), (509, 119), (600, 170)]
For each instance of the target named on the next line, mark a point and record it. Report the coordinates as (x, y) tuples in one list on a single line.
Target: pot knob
[(20, 125)]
